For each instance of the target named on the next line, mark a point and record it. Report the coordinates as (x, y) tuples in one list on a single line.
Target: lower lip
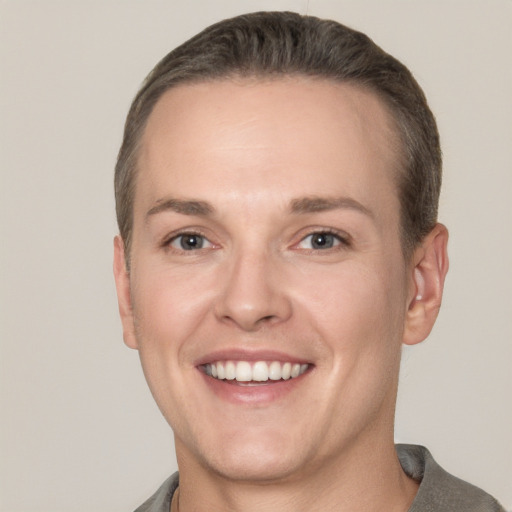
[(260, 393)]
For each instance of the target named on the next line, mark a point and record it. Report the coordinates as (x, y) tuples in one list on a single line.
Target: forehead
[(290, 133)]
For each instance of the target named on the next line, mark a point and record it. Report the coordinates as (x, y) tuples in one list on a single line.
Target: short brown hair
[(269, 44)]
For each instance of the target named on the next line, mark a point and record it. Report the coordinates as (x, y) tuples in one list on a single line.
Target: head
[(276, 193), (272, 45)]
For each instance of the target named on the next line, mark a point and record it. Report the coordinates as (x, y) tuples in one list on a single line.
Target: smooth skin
[(266, 218)]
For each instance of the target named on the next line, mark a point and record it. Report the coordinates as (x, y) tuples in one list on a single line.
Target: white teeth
[(274, 370), (230, 370), (221, 374), (260, 371), (286, 371), (243, 371)]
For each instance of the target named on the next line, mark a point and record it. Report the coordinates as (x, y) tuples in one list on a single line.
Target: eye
[(189, 242), (320, 240)]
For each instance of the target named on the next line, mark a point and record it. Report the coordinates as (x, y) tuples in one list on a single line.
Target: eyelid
[(344, 239), (171, 237), (184, 235)]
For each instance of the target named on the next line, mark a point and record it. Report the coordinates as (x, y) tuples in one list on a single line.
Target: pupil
[(322, 241), (189, 242)]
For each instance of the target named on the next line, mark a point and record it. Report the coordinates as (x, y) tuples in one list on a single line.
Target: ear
[(430, 265), (122, 278)]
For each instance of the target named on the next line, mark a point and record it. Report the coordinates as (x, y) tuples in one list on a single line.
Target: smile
[(258, 371)]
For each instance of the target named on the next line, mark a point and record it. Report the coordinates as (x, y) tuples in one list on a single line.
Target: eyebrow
[(301, 205), (321, 204), (185, 207)]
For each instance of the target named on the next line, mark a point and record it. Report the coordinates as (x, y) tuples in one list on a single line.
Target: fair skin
[(266, 230)]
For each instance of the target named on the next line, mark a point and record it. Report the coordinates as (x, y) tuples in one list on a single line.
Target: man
[(276, 193)]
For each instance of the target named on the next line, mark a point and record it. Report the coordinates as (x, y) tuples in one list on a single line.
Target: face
[(267, 293)]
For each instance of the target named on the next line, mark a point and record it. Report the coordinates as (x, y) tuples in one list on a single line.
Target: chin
[(255, 466), (260, 457)]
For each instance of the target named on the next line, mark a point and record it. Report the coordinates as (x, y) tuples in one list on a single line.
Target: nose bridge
[(253, 294)]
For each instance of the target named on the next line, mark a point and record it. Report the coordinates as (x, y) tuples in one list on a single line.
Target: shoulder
[(161, 500), (439, 491)]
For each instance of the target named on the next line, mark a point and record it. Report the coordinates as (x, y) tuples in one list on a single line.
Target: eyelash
[(341, 239), (176, 236)]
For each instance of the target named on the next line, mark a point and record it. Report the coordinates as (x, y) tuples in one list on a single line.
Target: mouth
[(254, 372)]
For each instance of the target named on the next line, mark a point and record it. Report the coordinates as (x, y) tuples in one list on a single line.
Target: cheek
[(361, 315), (168, 305), (168, 308), (356, 308)]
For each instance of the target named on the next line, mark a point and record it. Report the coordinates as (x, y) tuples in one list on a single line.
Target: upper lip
[(237, 354)]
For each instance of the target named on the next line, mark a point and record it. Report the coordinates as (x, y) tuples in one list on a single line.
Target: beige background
[(79, 430)]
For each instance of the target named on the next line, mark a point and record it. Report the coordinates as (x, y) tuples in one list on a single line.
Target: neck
[(367, 479)]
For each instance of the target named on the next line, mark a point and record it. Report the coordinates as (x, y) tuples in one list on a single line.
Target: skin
[(255, 157)]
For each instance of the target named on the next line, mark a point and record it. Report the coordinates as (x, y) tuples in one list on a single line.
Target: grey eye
[(319, 241), (190, 242), (322, 241)]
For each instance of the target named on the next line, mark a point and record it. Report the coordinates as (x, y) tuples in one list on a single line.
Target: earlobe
[(427, 283), (122, 279)]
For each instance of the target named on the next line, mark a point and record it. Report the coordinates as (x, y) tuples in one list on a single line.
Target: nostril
[(250, 323), (250, 298)]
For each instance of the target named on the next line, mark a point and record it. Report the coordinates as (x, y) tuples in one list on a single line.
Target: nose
[(253, 293)]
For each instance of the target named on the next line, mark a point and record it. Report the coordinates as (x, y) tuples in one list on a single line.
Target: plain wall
[(79, 430)]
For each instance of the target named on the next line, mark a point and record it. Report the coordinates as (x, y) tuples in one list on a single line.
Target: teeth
[(221, 374), (243, 371), (260, 371), (274, 370), (230, 370)]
